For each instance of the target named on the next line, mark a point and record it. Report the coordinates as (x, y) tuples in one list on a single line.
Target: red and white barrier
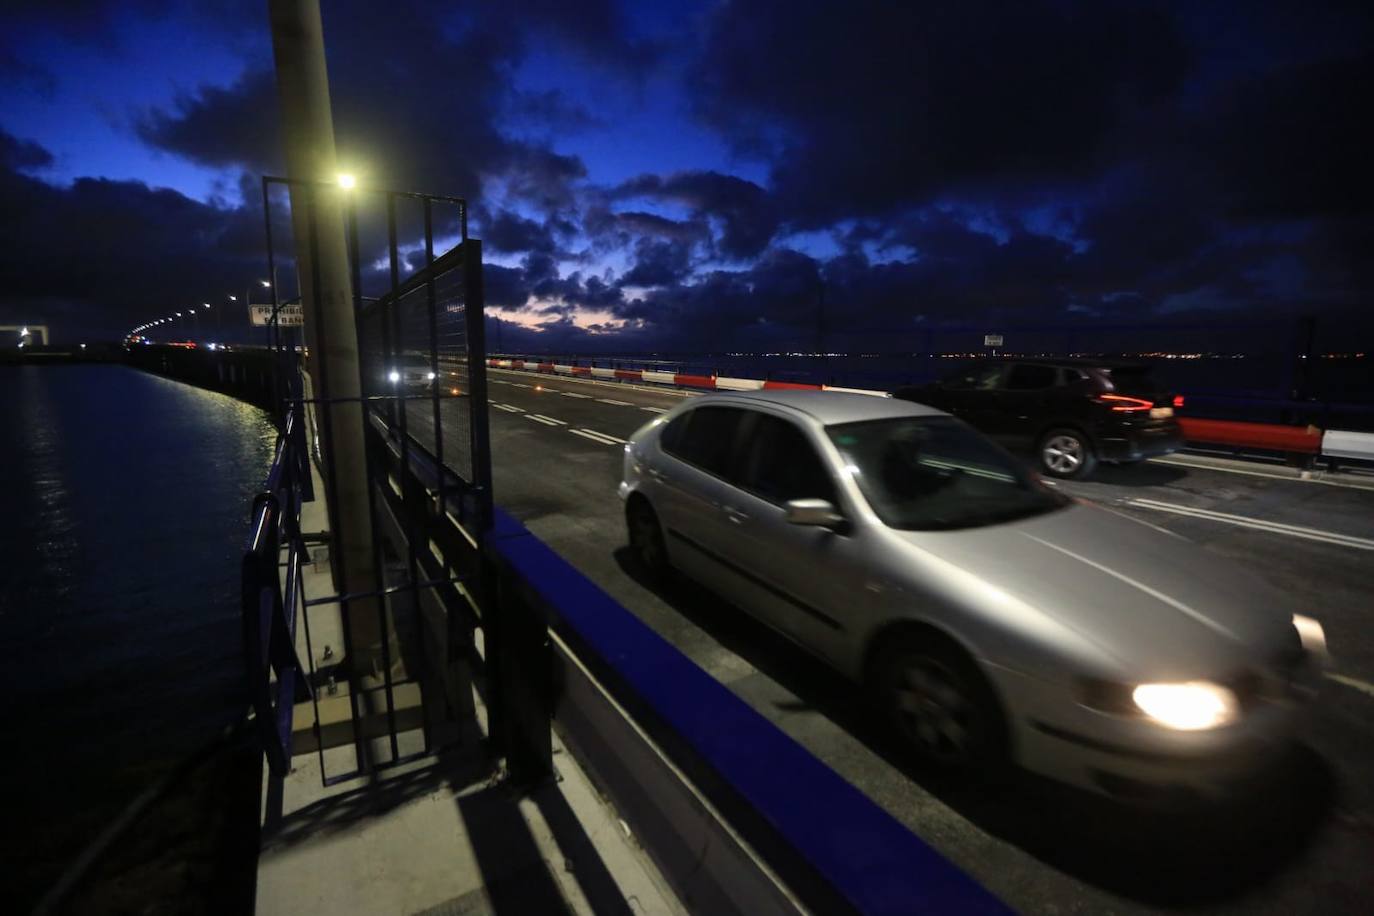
[(1302, 440)]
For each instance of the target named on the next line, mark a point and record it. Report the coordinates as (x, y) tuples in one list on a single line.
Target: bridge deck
[(557, 460)]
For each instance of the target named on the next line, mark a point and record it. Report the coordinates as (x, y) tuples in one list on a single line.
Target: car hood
[(1158, 604)]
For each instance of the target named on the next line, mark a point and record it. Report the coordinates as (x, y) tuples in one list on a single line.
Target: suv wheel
[(1066, 453)]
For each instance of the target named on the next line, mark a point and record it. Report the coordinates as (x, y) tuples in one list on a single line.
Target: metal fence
[(422, 403)]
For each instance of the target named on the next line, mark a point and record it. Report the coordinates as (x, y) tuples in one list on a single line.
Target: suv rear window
[(1133, 380)]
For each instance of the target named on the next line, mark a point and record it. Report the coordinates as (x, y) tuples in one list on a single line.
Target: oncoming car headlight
[(393, 376), (430, 376), (1190, 706)]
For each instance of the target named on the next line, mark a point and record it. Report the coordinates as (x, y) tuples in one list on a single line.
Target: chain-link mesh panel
[(414, 353)]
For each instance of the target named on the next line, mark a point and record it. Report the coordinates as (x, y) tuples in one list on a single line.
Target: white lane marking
[(509, 408), (589, 434), (1346, 484), (1296, 531), (538, 419), (597, 432), (574, 394), (1153, 593), (616, 403), (654, 409), (1351, 682), (553, 420), (518, 384)]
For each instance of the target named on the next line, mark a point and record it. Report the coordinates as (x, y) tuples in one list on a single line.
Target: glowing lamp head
[(347, 182)]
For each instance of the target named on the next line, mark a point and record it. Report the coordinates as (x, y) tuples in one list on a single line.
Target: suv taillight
[(1178, 400), (1123, 404)]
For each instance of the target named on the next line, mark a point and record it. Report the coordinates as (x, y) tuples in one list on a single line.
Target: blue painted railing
[(866, 859)]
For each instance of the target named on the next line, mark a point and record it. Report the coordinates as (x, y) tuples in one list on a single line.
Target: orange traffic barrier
[(1304, 439)]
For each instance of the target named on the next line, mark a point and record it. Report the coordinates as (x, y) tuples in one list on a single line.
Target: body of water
[(124, 501)]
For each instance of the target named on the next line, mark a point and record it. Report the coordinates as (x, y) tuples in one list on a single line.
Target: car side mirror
[(819, 512)]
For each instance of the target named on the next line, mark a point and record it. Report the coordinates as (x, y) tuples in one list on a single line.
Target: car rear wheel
[(646, 539), (1066, 453), (941, 706)]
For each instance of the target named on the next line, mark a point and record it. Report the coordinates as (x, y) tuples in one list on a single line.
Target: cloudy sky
[(701, 175)]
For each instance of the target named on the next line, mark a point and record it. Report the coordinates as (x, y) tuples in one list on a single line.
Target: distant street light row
[(346, 181), (193, 313)]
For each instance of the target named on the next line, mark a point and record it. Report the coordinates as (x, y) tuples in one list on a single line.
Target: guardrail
[(269, 603), (1307, 441)]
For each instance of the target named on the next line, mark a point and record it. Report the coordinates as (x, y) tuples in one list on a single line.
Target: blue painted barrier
[(865, 859)]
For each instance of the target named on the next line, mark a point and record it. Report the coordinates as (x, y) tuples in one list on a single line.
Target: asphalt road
[(1303, 842)]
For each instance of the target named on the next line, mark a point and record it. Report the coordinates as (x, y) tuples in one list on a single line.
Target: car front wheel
[(1066, 453), (941, 706)]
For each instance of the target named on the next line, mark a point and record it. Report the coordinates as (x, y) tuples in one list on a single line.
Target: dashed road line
[(509, 408), (574, 394), (1243, 521), (1351, 682), (614, 440), (655, 409), (553, 420), (518, 384), (593, 436), (545, 420), (614, 402)]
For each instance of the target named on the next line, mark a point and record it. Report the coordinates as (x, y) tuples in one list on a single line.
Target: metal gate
[(422, 368)]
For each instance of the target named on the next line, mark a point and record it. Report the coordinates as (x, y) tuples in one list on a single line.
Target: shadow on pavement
[(1189, 855)]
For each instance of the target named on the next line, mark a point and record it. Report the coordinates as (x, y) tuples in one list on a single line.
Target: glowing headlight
[(430, 376), (393, 376), (1192, 706)]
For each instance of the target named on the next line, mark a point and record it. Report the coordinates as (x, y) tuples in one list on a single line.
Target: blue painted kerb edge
[(870, 859)]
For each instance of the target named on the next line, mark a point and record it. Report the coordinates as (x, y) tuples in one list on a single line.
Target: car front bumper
[(1134, 759)]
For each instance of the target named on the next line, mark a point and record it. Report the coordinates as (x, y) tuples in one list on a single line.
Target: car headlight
[(393, 376), (430, 376), (1190, 706)]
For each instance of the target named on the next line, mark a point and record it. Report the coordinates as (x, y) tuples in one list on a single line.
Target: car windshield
[(935, 473)]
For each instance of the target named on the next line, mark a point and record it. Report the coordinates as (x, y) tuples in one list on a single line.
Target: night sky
[(697, 175)]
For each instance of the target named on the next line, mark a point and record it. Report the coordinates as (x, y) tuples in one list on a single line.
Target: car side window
[(1031, 378), (673, 432), (781, 464), (979, 376), (706, 437)]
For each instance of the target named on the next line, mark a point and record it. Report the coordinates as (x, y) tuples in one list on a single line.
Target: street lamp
[(347, 182)]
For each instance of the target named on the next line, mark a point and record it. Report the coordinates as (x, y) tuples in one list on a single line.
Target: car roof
[(827, 407)]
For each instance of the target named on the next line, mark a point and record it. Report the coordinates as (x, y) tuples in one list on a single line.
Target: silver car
[(994, 618)]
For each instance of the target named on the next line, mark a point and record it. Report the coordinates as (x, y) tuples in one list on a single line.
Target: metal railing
[(271, 601)]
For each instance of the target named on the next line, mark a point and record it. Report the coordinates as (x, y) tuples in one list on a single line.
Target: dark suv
[(1072, 413)]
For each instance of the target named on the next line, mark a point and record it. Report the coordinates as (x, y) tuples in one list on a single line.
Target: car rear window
[(1133, 379), (704, 437)]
